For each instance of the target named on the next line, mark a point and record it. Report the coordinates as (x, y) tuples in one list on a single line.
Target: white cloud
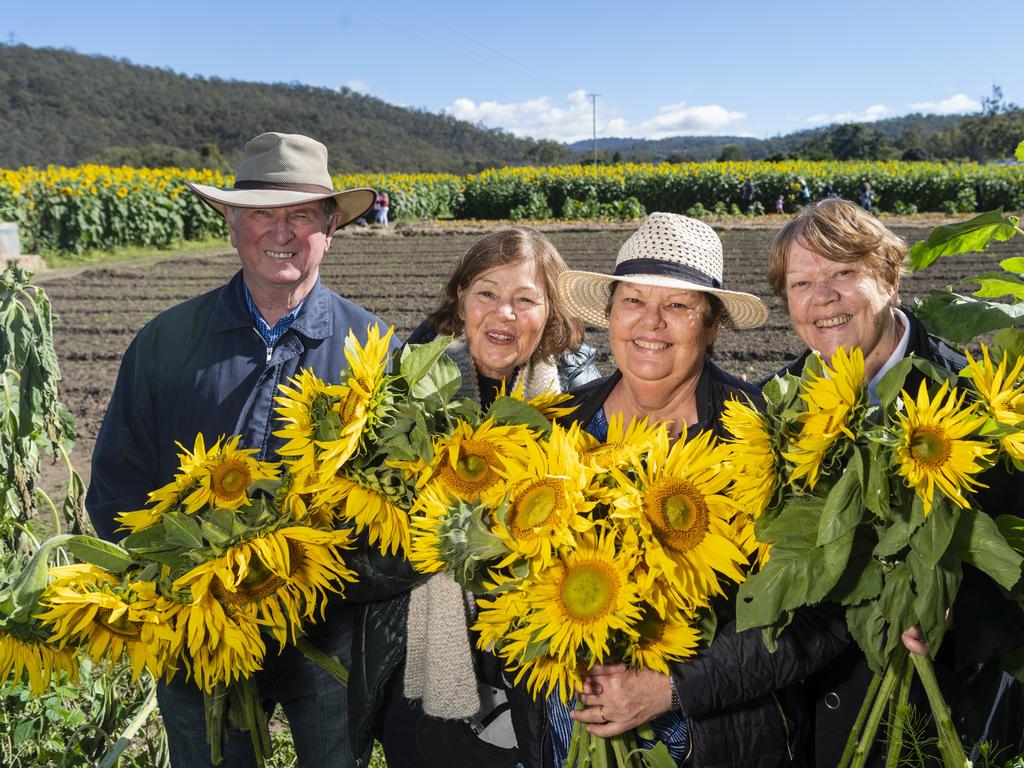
[(953, 105), (682, 120), (542, 118), (869, 115), (359, 86)]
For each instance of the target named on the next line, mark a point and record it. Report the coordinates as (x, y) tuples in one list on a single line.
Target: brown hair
[(839, 231), (510, 246)]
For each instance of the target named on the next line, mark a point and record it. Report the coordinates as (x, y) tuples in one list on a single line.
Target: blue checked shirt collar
[(270, 335)]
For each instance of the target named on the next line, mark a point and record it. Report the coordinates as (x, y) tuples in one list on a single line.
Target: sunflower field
[(98, 207)]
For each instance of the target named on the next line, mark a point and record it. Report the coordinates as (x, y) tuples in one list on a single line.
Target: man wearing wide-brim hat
[(212, 365)]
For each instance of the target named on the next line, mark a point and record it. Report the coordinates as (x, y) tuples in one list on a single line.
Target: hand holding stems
[(617, 699)]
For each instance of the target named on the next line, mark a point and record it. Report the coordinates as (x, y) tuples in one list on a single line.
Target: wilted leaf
[(952, 239)]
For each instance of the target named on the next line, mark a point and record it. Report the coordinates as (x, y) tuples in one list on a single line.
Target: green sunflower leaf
[(418, 359), (982, 545), (961, 319), (182, 530), (935, 588), (1012, 529), (892, 382), (19, 603), (952, 239), (104, 554), (844, 504)]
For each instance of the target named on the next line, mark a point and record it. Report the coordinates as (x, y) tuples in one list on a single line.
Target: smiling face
[(280, 248), (659, 336), (504, 311), (841, 304)]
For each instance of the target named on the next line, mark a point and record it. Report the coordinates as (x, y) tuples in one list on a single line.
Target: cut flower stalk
[(890, 691)]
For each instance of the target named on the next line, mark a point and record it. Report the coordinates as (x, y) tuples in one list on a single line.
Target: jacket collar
[(231, 310)]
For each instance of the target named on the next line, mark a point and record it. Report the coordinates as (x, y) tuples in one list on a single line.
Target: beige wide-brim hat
[(670, 251), (282, 169)]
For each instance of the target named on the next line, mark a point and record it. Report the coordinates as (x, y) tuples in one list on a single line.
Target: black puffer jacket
[(985, 703), (743, 705)]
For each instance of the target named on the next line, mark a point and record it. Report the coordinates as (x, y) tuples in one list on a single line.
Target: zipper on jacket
[(270, 349)]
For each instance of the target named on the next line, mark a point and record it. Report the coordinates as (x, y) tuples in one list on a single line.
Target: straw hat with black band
[(283, 169), (670, 251)]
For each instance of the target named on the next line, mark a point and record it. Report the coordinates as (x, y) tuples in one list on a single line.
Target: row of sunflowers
[(98, 207)]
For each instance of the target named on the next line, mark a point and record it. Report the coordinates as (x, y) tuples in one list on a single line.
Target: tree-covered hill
[(59, 106)]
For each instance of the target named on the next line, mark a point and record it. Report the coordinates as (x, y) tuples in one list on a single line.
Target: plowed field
[(399, 278)]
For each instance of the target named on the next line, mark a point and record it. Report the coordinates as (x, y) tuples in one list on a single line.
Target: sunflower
[(752, 457), (467, 462), (833, 401), (323, 424), (1002, 394), (662, 640), (225, 474), (544, 500), (568, 611), (450, 535), (684, 518), (220, 645), (933, 452), (217, 478), (375, 501), (552, 405), (623, 445), (24, 650), (109, 619), (279, 578)]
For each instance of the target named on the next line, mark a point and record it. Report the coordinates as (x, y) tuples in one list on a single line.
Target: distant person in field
[(805, 191), (828, 190), (780, 204), (212, 365), (380, 209), (748, 194), (867, 195)]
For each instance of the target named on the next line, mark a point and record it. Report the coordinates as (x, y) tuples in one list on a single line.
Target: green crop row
[(97, 207)]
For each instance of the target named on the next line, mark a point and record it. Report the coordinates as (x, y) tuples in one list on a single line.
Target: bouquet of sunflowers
[(235, 557), (873, 507), (582, 552)]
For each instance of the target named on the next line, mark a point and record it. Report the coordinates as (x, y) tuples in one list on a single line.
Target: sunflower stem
[(899, 713), (867, 739), (949, 742), (858, 724), (214, 704), (330, 664), (621, 751), (575, 742)]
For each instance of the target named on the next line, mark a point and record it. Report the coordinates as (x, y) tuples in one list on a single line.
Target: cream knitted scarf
[(439, 659)]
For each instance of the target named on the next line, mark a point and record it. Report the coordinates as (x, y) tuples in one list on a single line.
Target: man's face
[(280, 248)]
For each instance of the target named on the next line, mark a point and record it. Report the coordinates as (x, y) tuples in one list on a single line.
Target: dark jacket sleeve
[(125, 460), (381, 577), (737, 667), (577, 367)]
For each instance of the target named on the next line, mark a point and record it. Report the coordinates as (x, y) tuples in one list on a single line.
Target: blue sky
[(660, 68)]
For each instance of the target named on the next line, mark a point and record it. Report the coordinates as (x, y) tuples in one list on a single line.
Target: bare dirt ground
[(398, 275)]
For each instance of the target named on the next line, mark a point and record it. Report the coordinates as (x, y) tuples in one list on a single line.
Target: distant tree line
[(62, 107), (990, 134)]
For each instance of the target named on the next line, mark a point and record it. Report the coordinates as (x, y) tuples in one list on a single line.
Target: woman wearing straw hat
[(735, 703)]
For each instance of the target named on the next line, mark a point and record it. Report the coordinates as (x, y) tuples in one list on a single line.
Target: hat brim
[(352, 203), (586, 296)]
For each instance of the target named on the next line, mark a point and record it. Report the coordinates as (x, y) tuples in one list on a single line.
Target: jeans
[(314, 702)]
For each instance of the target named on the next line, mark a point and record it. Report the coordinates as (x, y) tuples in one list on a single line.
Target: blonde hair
[(839, 231)]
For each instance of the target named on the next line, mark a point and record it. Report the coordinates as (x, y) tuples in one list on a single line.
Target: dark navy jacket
[(201, 366)]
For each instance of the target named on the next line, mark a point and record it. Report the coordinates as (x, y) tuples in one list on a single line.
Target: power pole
[(593, 103)]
